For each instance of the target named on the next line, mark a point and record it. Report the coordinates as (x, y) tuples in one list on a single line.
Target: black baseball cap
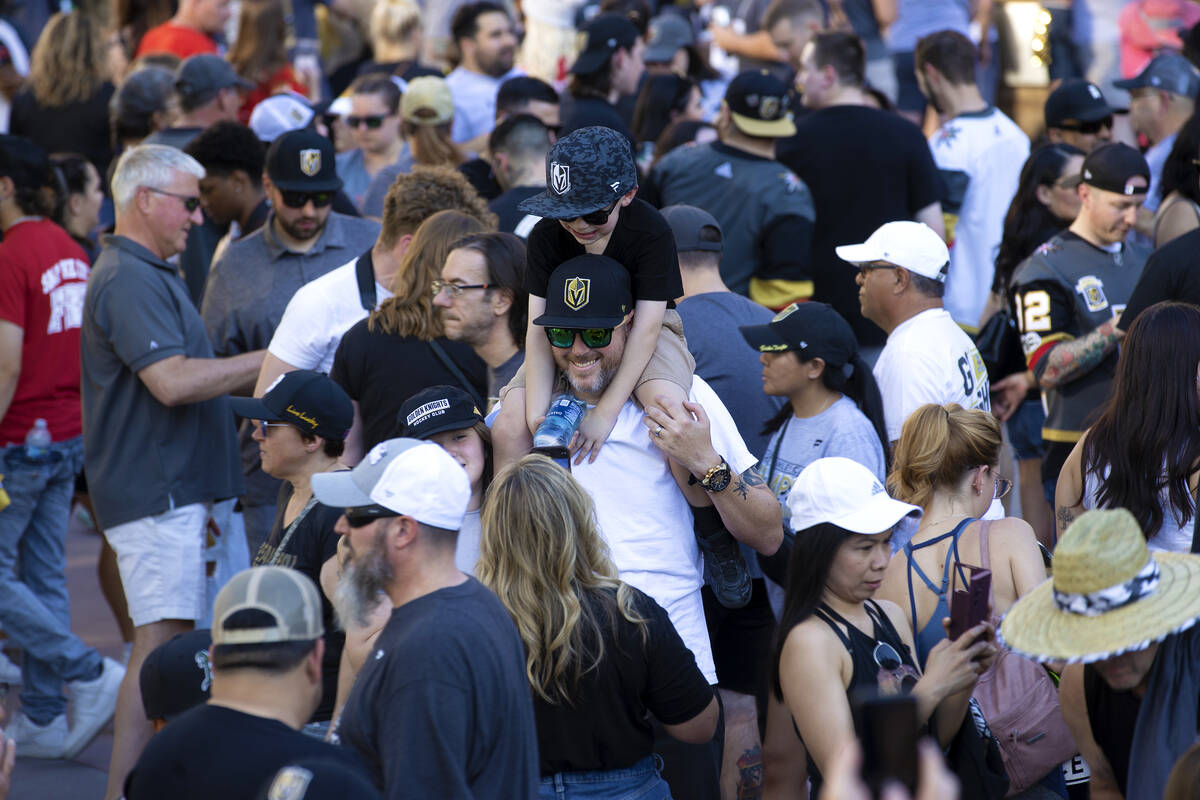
[(606, 34), (201, 76), (23, 161), (176, 675), (759, 102), (309, 401), (588, 291), (1116, 167), (1076, 102), (436, 410), (586, 170), (1168, 71), (303, 160), (813, 330), (686, 223)]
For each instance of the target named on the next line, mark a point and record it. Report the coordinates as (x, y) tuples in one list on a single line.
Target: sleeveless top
[(1171, 537), (1112, 715), (928, 636), (874, 665)]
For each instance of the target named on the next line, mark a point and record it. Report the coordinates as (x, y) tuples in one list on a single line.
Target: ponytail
[(938, 446)]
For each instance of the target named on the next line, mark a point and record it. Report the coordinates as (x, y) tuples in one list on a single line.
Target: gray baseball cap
[(686, 223), (287, 595), (668, 33), (206, 74), (1168, 71)]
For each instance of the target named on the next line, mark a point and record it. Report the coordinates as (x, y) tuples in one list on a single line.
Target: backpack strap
[(364, 276), (985, 557)]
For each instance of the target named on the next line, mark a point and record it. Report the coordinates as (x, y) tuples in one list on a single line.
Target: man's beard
[(364, 577)]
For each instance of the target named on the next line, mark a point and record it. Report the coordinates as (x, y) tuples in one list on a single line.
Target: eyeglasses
[(874, 265), (1090, 127), (595, 338), (263, 425), (456, 289), (297, 199), (190, 201), (600, 217), (1003, 486), (373, 122), (362, 516)]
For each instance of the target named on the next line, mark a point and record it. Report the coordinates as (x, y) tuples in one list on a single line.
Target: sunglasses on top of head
[(296, 199)]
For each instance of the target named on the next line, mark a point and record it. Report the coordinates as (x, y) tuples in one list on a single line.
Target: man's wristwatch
[(717, 478)]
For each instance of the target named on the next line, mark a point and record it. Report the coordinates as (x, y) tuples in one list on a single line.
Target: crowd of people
[(573, 399)]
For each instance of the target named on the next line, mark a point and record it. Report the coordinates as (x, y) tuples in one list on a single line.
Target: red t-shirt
[(282, 80), (176, 39), (43, 280)]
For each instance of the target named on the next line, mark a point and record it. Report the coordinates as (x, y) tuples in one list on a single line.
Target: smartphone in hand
[(969, 607), (887, 728)]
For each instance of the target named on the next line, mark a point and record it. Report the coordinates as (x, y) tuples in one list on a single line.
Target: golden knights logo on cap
[(560, 177), (310, 161), (769, 107), (576, 293)]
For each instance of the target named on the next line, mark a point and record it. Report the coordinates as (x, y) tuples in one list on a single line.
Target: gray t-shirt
[(499, 377), (840, 430), (143, 458), (731, 367)]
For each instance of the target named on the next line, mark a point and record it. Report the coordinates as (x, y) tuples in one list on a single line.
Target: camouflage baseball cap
[(586, 170)]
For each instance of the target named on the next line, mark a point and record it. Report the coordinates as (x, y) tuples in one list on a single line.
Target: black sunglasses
[(599, 217), (190, 202), (1090, 127), (297, 199), (594, 338), (361, 516), (373, 122)]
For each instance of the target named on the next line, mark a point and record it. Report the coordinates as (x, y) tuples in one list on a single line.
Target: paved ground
[(83, 778)]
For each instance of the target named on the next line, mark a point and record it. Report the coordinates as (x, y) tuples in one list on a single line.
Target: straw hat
[(1109, 595)]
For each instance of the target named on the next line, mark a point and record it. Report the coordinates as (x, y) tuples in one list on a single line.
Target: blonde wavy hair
[(393, 21), (938, 445), (68, 63), (542, 554), (409, 311)]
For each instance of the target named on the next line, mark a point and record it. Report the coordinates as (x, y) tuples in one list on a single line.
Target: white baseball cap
[(912, 245), (843, 492), (279, 114), (414, 478)]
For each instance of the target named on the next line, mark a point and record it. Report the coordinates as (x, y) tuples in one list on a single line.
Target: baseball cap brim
[(1135, 82), (550, 321), (764, 338), (590, 61), (880, 514), (331, 185), (775, 128), (253, 408), (661, 52), (858, 253), (339, 490), (549, 206)]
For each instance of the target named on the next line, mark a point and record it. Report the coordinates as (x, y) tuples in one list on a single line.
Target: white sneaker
[(39, 741), (93, 706), (10, 673)]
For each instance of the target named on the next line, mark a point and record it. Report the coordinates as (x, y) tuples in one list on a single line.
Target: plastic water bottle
[(37, 442), (562, 420)]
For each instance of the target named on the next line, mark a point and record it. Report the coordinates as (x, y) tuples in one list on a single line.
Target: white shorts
[(161, 559)]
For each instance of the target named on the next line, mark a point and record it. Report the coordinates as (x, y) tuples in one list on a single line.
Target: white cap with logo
[(843, 492), (912, 245)]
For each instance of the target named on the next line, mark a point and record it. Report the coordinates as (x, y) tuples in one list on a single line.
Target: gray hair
[(927, 286), (150, 165)]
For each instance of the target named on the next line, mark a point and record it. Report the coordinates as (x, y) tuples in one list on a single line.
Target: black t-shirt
[(505, 208), (864, 167), (215, 752), (606, 727), (74, 128), (481, 175), (1171, 273), (642, 242), (311, 544), (442, 708), (380, 371), (584, 112)]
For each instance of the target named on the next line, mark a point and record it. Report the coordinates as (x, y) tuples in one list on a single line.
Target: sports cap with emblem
[(588, 291), (309, 401), (1116, 167), (586, 170), (319, 778), (758, 102), (1109, 594), (436, 410), (279, 114), (303, 161), (844, 493), (1077, 102), (410, 477), (1169, 72), (428, 101), (912, 245), (687, 223), (287, 596), (669, 33), (176, 675), (606, 34), (812, 330), (200, 77)]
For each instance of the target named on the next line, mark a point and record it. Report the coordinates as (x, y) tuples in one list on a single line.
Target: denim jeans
[(35, 609), (639, 782)]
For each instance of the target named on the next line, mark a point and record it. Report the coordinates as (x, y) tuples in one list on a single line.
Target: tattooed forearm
[(752, 478), (739, 486), (1065, 517), (1071, 360)]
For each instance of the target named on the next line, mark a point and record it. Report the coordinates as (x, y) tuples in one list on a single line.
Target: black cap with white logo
[(1116, 167), (586, 170), (813, 330), (436, 410), (606, 34), (587, 292), (1077, 102)]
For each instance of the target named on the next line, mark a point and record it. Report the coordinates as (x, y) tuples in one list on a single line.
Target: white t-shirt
[(979, 156), (474, 101), (929, 359), (647, 522), (466, 551), (316, 318)]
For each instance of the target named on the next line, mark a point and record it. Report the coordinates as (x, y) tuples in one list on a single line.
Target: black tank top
[(1112, 715), (889, 669)]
